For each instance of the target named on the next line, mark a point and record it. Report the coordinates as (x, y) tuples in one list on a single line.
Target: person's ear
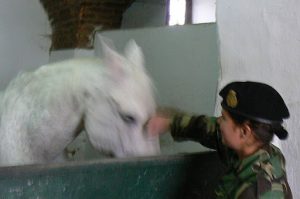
[(245, 131)]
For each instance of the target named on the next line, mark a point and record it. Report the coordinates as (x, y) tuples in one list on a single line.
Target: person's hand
[(158, 125)]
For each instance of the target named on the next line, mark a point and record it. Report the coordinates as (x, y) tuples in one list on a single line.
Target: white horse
[(111, 99)]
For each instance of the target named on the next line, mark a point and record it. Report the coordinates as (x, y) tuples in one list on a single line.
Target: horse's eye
[(129, 119)]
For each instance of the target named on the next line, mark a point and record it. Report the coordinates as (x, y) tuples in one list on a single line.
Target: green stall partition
[(161, 177)]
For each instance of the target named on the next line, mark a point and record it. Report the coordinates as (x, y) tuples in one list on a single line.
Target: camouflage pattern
[(259, 176)]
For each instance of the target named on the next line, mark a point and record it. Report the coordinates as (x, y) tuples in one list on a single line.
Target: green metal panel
[(179, 176)]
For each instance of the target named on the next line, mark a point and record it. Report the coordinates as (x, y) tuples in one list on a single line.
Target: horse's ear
[(134, 54), (113, 60)]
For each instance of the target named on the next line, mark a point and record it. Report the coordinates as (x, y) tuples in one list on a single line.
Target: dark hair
[(264, 132)]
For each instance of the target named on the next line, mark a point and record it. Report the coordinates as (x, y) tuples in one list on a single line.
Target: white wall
[(23, 37), (204, 11), (260, 40)]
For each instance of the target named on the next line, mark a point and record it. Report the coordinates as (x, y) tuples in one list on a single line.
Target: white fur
[(43, 111)]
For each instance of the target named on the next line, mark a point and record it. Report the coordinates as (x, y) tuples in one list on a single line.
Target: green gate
[(161, 177)]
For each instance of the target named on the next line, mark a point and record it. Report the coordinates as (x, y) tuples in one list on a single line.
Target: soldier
[(252, 113)]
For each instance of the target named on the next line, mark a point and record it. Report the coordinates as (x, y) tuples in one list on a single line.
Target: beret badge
[(231, 99)]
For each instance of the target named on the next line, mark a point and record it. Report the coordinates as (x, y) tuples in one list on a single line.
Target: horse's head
[(117, 125)]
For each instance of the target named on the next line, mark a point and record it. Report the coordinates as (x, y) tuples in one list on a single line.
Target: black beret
[(256, 101)]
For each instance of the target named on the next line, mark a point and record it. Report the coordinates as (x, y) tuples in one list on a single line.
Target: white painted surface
[(24, 40), (260, 40), (204, 11)]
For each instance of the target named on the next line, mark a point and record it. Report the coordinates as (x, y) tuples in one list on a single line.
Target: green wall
[(168, 177)]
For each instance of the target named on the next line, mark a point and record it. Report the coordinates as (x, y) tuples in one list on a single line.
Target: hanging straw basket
[(74, 22)]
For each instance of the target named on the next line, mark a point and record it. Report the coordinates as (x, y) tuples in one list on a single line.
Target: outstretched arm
[(202, 129)]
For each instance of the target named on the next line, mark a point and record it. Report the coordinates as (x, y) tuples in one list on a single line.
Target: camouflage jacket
[(259, 176)]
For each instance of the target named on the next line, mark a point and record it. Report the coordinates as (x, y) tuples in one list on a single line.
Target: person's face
[(231, 132)]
